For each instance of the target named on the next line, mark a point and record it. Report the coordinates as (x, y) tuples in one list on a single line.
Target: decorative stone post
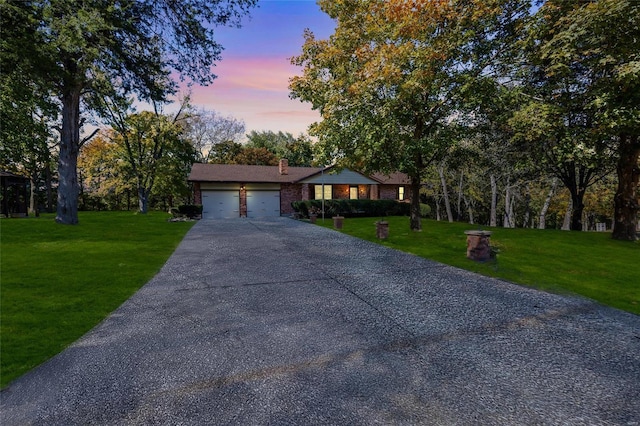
[(337, 222), (478, 245), (382, 229)]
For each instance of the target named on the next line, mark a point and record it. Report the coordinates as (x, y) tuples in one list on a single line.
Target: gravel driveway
[(279, 322)]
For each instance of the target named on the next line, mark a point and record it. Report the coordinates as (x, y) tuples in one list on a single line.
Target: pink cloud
[(255, 89)]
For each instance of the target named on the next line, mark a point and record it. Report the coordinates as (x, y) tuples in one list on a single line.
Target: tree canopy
[(391, 81), (82, 48)]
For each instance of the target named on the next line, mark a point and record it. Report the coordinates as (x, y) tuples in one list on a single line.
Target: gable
[(343, 177)]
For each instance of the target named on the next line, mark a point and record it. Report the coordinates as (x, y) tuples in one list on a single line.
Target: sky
[(254, 73)]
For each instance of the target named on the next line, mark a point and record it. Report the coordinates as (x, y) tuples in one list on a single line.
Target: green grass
[(57, 282), (587, 263)]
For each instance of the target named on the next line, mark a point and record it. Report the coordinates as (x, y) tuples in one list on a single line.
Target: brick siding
[(289, 192), (388, 192)]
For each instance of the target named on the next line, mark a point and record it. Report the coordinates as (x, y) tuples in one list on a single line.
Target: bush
[(190, 210), (425, 210), (353, 208)]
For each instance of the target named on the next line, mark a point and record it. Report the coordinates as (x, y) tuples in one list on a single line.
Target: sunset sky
[(253, 76)]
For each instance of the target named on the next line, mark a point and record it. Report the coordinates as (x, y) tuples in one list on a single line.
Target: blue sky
[(255, 69)]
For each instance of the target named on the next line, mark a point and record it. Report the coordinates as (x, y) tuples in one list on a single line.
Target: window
[(328, 191), (353, 192), (401, 193)]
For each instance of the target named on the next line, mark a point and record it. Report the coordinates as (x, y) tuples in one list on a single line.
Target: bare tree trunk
[(626, 207), (459, 206), (547, 203), (143, 199), (438, 218), (566, 225), (445, 193), (493, 221), (577, 207), (508, 221), (469, 210), (33, 208), (67, 209), (415, 219)]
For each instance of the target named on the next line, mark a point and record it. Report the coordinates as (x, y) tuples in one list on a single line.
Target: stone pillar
[(382, 229), (478, 245), (337, 222), (243, 201)]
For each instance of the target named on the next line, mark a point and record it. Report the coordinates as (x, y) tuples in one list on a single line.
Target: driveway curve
[(279, 322)]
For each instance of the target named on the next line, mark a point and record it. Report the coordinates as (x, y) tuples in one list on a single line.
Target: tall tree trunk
[(469, 210), (577, 206), (493, 221), (625, 217), (143, 199), (415, 221), (459, 206), (566, 225), (33, 201), (547, 202), (507, 201), (67, 210), (445, 193)]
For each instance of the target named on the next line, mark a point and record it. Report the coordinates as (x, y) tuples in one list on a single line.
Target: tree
[(555, 124), (225, 152), (298, 151), (585, 44), (146, 140), (207, 129), (390, 83), (27, 113), (256, 157), (104, 175), (137, 43)]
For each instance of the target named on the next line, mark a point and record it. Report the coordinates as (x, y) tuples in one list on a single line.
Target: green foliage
[(599, 268), (59, 282), (298, 151), (392, 82), (425, 210), (352, 208), (81, 51)]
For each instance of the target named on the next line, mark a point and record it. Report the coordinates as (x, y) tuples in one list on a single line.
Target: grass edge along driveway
[(59, 281), (589, 264)]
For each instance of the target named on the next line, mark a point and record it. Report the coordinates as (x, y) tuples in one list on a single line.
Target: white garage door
[(263, 203), (220, 204)]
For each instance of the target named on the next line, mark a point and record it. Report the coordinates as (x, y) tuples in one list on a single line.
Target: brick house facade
[(250, 191)]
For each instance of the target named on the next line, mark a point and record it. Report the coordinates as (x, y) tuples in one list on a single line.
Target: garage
[(263, 203), (220, 204)]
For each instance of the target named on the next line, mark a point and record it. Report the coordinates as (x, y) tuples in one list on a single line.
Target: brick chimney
[(283, 167)]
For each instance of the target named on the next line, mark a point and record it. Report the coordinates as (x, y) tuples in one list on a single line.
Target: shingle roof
[(396, 178), (239, 173), (245, 173)]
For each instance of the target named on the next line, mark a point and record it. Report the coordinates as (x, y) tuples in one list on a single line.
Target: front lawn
[(586, 263), (59, 281)]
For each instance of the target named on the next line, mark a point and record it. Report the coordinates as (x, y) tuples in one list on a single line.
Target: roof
[(240, 173), (339, 177), (396, 178), (9, 174), (246, 173)]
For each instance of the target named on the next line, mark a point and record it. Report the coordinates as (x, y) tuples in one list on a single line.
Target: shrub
[(353, 208), (190, 210), (425, 210)]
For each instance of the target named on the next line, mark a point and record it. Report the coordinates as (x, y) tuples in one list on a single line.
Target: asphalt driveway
[(279, 322)]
